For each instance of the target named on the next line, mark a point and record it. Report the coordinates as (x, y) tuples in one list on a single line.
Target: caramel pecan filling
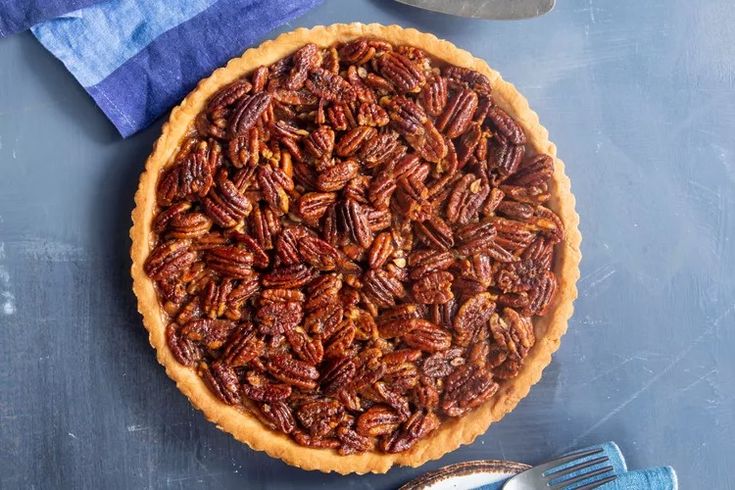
[(352, 245)]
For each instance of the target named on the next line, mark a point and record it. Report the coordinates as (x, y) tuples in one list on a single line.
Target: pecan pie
[(354, 246)]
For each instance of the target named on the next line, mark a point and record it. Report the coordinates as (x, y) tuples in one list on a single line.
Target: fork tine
[(579, 466), (576, 479), (542, 469), (598, 483)]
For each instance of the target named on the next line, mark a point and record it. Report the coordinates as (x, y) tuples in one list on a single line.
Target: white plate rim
[(466, 468)]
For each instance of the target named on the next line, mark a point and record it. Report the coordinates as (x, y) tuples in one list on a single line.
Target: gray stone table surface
[(640, 98)]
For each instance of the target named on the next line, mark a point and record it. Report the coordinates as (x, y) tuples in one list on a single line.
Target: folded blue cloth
[(19, 15), (662, 478), (137, 58)]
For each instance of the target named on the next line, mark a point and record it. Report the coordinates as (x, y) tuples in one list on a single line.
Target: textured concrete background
[(640, 98)]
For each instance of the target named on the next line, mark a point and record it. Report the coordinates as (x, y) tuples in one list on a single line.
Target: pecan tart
[(354, 247)]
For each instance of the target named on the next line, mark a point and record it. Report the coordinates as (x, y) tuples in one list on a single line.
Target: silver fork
[(549, 476)]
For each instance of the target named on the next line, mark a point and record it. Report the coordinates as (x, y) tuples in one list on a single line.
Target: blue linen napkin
[(19, 15), (137, 58), (662, 478)]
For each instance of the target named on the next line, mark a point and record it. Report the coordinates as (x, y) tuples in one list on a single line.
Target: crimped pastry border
[(244, 426)]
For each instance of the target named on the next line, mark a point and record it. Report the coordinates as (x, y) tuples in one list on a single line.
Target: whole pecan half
[(467, 387), (277, 415), (417, 427), (222, 381), (428, 337), (434, 288), (403, 73), (226, 205), (506, 126), (471, 316), (330, 86), (320, 417), (336, 177), (247, 113), (304, 60), (186, 351), (230, 261), (293, 371), (434, 95), (459, 113)]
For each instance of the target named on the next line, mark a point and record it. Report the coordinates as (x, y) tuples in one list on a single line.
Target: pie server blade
[(486, 9)]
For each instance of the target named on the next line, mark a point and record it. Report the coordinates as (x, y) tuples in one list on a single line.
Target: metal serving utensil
[(486, 9)]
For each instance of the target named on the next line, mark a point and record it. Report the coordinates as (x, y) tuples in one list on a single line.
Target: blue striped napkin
[(137, 58), (661, 478)]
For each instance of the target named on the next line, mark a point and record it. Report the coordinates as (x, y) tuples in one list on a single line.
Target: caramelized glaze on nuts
[(352, 245)]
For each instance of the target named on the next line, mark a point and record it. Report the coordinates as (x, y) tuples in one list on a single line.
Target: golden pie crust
[(452, 433)]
